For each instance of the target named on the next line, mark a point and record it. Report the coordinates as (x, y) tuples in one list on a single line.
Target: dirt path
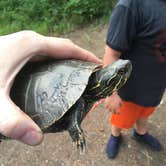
[(58, 150)]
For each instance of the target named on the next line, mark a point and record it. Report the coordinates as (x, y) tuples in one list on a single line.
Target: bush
[(49, 16)]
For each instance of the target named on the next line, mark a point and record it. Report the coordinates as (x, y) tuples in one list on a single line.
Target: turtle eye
[(121, 71)]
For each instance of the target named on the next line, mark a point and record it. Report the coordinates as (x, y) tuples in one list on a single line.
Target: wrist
[(115, 93)]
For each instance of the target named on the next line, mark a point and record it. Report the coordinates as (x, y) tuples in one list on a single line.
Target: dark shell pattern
[(56, 89)]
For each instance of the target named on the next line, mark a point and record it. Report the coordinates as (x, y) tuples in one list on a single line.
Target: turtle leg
[(77, 114)]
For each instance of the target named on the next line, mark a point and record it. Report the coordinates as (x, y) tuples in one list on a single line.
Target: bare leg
[(115, 131), (113, 144), (141, 126), (141, 135)]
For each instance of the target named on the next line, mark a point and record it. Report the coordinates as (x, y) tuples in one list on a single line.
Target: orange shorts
[(129, 114)]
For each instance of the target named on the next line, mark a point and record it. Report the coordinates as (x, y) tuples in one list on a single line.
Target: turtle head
[(104, 81)]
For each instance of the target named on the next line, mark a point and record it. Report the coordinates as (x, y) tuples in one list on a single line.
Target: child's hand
[(113, 103)]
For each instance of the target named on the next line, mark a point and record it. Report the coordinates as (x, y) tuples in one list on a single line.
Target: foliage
[(49, 16)]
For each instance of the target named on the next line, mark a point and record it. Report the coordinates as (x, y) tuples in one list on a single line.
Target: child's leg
[(115, 131), (141, 123), (141, 134), (129, 113), (141, 126), (125, 119)]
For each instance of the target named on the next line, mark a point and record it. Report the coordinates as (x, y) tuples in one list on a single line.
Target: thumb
[(96, 104), (16, 124)]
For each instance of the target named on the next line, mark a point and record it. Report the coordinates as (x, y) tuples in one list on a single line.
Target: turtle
[(57, 94)]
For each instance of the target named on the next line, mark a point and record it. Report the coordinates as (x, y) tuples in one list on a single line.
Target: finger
[(95, 106), (120, 104), (64, 48), (84, 55), (39, 58), (17, 125), (108, 106), (116, 111)]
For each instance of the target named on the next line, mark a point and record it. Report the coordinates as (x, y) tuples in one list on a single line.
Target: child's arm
[(113, 102), (111, 55)]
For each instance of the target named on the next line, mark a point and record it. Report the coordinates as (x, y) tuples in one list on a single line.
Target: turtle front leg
[(76, 116), (77, 135)]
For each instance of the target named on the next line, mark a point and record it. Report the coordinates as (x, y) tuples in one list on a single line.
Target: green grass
[(51, 16)]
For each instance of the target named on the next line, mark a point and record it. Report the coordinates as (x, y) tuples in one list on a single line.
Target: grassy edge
[(43, 28)]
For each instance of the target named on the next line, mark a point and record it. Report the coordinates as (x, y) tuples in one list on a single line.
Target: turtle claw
[(78, 138), (81, 145)]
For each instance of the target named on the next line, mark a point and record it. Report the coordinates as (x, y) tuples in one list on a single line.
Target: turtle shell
[(47, 90)]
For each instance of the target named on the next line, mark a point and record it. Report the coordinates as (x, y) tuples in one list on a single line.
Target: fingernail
[(32, 138)]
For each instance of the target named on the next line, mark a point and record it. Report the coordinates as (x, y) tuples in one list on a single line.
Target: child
[(137, 31)]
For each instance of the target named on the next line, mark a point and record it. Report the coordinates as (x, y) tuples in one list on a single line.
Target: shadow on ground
[(58, 150)]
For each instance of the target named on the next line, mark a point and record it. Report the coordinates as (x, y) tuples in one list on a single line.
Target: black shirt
[(138, 29)]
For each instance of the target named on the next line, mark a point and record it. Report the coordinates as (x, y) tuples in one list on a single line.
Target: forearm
[(110, 55)]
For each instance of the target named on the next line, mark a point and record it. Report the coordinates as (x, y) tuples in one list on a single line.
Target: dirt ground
[(58, 149)]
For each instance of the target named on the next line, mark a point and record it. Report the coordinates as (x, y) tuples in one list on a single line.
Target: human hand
[(113, 103), (97, 103), (16, 49)]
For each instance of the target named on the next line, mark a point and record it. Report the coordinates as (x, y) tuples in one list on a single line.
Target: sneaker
[(147, 139), (112, 148)]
